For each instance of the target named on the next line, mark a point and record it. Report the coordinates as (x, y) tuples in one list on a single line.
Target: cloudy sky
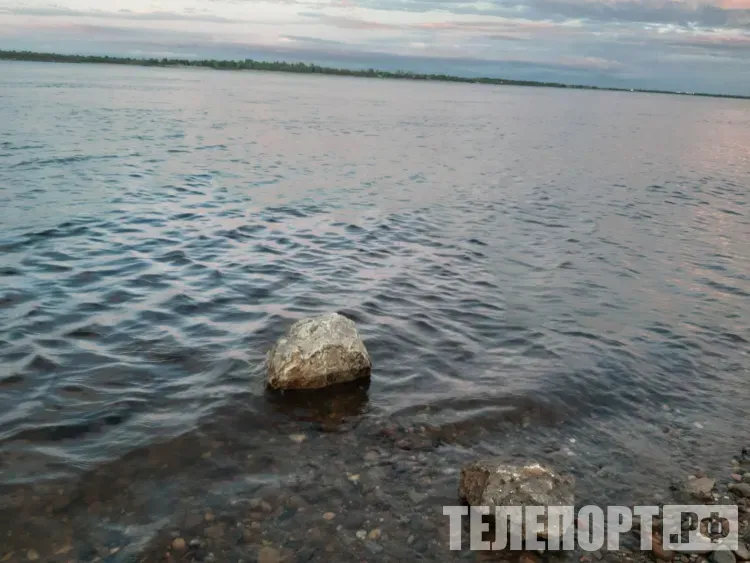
[(691, 45)]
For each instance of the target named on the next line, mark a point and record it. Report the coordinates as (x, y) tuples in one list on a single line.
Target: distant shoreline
[(305, 68)]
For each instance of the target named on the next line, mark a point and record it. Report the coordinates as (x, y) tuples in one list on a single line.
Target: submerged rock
[(701, 488), (494, 484), (316, 353), (740, 489), (491, 483)]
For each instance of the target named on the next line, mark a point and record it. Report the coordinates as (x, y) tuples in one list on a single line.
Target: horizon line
[(312, 68)]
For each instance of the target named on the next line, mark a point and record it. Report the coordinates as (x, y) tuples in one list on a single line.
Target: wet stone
[(740, 489), (178, 544), (373, 547), (214, 532), (722, 556), (700, 488), (742, 552), (318, 352), (269, 555)]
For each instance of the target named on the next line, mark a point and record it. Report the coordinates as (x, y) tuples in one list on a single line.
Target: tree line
[(305, 68)]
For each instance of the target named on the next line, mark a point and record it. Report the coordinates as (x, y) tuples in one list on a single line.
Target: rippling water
[(537, 273)]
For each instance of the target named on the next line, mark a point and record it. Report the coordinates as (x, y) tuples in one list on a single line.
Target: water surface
[(539, 274)]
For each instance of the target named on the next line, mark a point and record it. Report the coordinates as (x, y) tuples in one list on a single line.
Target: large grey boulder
[(495, 484), (318, 352)]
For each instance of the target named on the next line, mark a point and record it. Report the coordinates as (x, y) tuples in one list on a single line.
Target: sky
[(684, 45)]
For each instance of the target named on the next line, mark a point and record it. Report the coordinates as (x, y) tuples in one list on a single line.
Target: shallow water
[(538, 274)]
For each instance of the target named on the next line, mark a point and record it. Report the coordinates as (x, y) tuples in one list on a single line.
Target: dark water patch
[(61, 161), (7, 271)]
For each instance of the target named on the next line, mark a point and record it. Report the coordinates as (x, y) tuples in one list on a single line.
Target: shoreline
[(333, 486), (310, 68)]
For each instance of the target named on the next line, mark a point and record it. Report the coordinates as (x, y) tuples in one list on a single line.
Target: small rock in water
[(374, 534), (178, 544), (659, 551), (361, 534), (32, 555), (496, 484), (297, 438), (373, 547), (722, 556), (701, 488), (742, 552), (329, 516), (416, 497), (736, 477), (214, 532), (740, 489), (269, 555), (316, 353)]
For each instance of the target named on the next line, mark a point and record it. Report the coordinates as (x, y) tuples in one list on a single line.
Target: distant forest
[(305, 68)]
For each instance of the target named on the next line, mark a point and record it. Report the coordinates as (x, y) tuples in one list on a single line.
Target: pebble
[(361, 534), (736, 477), (329, 516), (67, 548), (371, 456), (374, 534), (740, 489), (742, 552), (296, 501), (269, 555), (178, 544), (32, 555), (208, 517), (214, 532), (373, 547), (192, 520), (297, 438), (660, 552), (722, 556), (701, 487), (416, 497)]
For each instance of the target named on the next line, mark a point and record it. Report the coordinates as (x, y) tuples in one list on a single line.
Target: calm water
[(538, 274)]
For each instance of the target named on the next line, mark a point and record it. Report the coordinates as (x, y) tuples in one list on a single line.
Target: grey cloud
[(313, 40), (642, 11), (645, 11), (121, 14)]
